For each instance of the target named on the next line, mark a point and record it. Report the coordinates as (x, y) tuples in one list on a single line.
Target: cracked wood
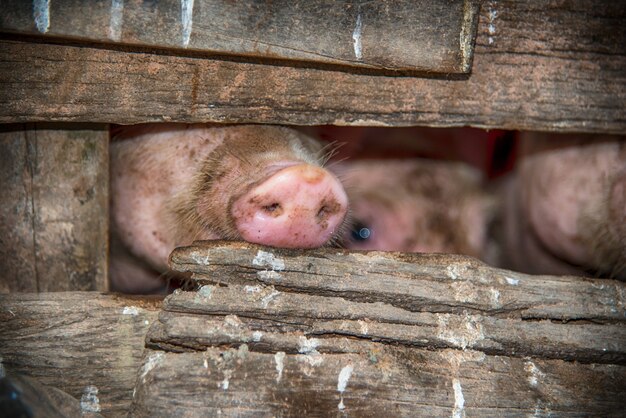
[(73, 340), (54, 208), (444, 283), (320, 332), (406, 382), (553, 66), (394, 34)]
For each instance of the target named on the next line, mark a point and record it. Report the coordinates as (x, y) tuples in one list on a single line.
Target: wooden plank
[(327, 332), (537, 66), (417, 35), (443, 283), (80, 342), (54, 231), (25, 397), (265, 309), (406, 382), (17, 243)]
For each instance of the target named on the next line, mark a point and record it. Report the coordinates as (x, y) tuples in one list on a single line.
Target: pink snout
[(301, 206)]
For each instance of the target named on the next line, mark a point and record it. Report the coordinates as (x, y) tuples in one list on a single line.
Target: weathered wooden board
[(22, 396), (327, 332), (266, 309), (54, 209), (330, 332), (537, 66), (87, 344), (422, 35), (384, 381), (444, 283)]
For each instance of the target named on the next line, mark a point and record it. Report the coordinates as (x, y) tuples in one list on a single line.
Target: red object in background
[(492, 152)]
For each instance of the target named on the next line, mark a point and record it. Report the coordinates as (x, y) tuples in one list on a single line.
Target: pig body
[(417, 205), (173, 184), (565, 209)]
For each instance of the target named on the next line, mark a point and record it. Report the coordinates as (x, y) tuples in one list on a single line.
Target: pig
[(173, 184), (564, 209), (418, 205)]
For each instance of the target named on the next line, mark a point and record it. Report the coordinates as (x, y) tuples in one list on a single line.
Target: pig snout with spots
[(417, 205), (173, 184), (565, 208)]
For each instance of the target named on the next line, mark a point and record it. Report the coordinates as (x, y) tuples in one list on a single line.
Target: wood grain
[(382, 381), (550, 66), (265, 311), (443, 283), (395, 34), (330, 332), (75, 340), (54, 224)]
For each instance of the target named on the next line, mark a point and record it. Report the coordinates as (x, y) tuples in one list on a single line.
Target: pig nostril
[(274, 209), (323, 212)]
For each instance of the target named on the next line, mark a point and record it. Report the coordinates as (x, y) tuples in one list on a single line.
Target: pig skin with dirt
[(173, 184), (565, 209), (417, 205)]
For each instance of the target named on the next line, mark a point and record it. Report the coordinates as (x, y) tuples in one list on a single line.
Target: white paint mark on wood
[(279, 357), (364, 327), (307, 345), (130, 310), (224, 384), (206, 291), (535, 375), (232, 321), (267, 259), (360, 122), (115, 21), (186, 17), (341, 406), (495, 298), (242, 351), (344, 376), (154, 360), (252, 289), (89, 401), (356, 38), (512, 282), (461, 332), (206, 364), (41, 14), (200, 258), (342, 383), (459, 400), (267, 299), (491, 24), (269, 275), (313, 359), (456, 270), (256, 336)]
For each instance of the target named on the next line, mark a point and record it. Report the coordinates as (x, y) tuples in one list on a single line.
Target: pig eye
[(360, 232)]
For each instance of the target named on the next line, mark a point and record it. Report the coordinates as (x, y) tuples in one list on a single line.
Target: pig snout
[(301, 206)]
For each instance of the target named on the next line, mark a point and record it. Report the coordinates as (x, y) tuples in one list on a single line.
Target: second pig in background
[(531, 202)]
